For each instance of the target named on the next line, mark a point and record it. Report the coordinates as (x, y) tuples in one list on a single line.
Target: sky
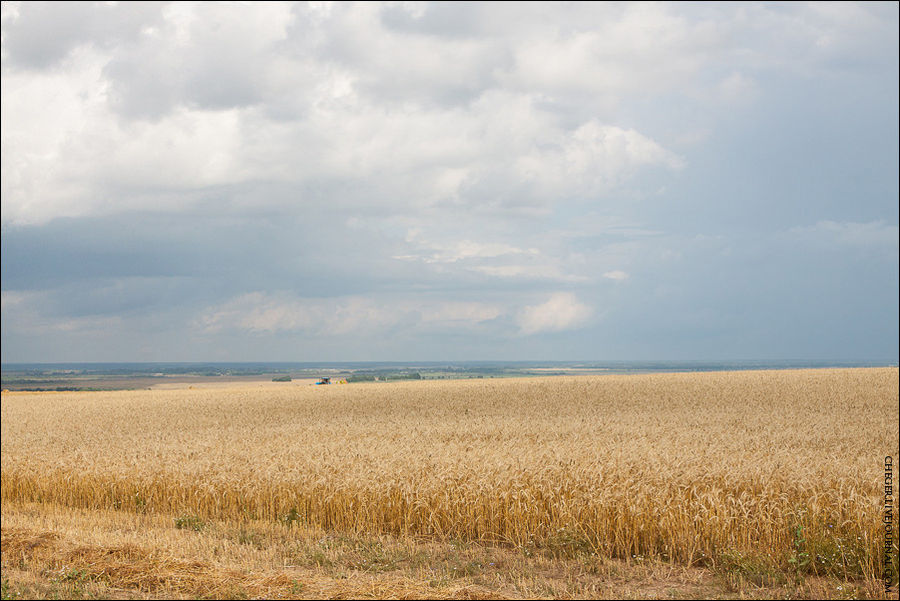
[(449, 181)]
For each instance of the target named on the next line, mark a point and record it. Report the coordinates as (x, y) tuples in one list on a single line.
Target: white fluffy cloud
[(115, 107), (192, 97), (562, 311), (616, 274), (495, 259), (264, 313), (487, 107), (437, 252)]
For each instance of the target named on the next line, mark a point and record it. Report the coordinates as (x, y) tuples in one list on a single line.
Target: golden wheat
[(687, 467)]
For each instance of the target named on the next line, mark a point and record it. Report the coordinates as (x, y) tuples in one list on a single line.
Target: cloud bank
[(487, 180)]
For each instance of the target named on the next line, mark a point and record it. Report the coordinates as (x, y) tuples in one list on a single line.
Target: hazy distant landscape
[(132, 376)]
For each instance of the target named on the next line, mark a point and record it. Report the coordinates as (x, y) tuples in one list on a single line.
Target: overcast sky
[(406, 181)]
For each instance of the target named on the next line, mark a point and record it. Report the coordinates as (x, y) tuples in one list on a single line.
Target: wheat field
[(781, 467)]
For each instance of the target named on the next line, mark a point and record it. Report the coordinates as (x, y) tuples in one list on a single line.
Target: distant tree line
[(383, 376)]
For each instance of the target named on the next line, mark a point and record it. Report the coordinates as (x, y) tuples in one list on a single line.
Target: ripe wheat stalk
[(693, 468)]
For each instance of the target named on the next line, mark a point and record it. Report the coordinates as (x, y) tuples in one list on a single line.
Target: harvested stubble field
[(769, 481)]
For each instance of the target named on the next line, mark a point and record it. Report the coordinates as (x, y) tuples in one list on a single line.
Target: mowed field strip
[(784, 467)]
